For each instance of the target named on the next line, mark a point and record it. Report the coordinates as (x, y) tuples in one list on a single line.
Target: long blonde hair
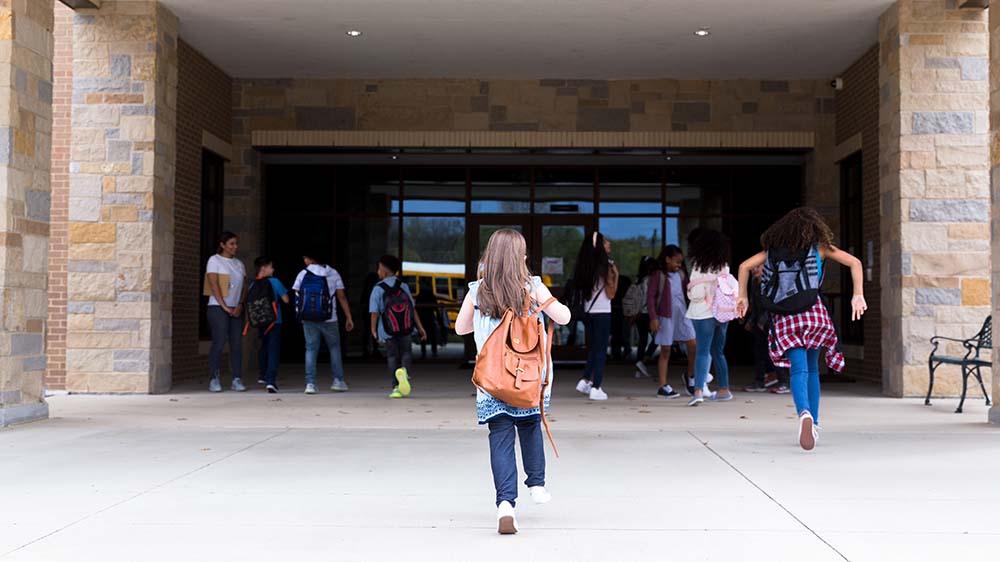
[(503, 274)]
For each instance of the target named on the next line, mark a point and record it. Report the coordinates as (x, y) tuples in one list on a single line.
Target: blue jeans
[(710, 334), (598, 331), (225, 329), (329, 331), (805, 380), (503, 460), (269, 354)]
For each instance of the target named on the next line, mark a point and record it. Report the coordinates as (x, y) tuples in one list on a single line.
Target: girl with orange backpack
[(506, 301)]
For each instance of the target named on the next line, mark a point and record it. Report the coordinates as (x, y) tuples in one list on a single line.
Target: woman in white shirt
[(596, 279), (226, 278), (709, 255)]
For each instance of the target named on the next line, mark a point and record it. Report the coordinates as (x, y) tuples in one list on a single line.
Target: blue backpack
[(312, 300)]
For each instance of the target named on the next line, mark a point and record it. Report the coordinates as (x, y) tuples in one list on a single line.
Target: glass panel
[(630, 190), (434, 190), (679, 228), (434, 249), (569, 190), (560, 246), (501, 190), (631, 239), (367, 190), (695, 199), (487, 230)]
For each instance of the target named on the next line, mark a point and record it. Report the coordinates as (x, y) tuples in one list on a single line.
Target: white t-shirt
[(702, 294), (237, 273), (333, 281), (602, 305)]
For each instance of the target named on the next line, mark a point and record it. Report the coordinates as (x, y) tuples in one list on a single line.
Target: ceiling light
[(354, 33), (703, 32)]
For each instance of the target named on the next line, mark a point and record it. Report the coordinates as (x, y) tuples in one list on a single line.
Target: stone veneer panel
[(26, 46), (121, 198), (934, 186)]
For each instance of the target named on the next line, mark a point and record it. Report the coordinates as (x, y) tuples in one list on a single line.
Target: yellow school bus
[(447, 280)]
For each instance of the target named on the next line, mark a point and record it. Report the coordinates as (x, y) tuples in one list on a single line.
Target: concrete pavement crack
[(767, 495), (146, 491)]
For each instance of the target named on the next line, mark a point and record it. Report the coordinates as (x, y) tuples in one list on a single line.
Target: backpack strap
[(548, 381), (596, 294)]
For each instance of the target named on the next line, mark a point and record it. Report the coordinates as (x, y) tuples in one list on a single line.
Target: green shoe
[(404, 382), (395, 393)]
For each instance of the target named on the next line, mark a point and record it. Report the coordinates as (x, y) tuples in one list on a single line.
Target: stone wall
[(121, 230), (204, 103), (25, 155), (857, 113), (934, 185)]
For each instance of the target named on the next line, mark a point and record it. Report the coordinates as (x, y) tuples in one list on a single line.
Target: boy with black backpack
[(264, 313), (393, 314), (315, 288)]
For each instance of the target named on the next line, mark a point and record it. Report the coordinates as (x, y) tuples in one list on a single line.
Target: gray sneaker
[(310, 389), (214, 385), (238, 385), (339, 386)]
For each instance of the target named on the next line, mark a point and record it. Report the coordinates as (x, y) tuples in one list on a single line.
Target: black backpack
[(261, 305), (397, 314), (790, 282)]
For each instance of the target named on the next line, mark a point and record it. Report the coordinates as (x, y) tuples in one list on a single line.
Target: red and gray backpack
[(397, 314)]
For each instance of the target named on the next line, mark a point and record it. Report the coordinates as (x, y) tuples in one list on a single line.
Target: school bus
[(448, 282)]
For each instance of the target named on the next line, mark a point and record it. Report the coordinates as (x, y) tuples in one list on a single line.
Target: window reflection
[(564, 190), (630, 190), (434, 190), (631, 239), (501, 190)]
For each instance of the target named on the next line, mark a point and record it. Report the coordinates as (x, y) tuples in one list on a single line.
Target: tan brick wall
[(204, 103), (934, 186), (857, 112), (121, 225), (25, 164), (55, 374)]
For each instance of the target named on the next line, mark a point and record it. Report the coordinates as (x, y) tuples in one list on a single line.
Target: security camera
[(837, 83)]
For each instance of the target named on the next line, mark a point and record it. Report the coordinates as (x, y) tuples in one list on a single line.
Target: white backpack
[(726, 291)]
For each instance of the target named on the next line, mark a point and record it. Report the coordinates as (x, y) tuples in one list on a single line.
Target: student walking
[(225, 277), (504, 281), (668, 314), (315, 288), (757, 321), (709, 253), (393, 315), (264, 311), (637, 314), (596, 279), (795, 249)]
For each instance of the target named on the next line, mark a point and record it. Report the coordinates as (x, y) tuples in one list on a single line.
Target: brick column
[(25, 156), (934, 186), (121, 198), (994, 23)]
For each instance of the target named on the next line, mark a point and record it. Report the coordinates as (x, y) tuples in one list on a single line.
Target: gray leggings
[(225, 328)]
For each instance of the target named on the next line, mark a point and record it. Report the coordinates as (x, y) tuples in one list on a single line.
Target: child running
[(504, 279), (800, 242), (392, 307), (668, 313)]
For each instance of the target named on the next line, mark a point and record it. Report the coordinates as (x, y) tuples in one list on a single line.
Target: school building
[(134, 132)]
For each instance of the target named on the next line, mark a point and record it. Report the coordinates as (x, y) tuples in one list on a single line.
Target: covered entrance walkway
[(252, 476)]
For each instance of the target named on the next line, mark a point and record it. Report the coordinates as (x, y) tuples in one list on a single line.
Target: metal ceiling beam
[(974, 4), (80, 4)]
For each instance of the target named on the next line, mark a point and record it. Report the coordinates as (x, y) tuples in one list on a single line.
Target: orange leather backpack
[(511, 364)]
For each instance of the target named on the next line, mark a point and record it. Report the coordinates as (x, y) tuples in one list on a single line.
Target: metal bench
[(971, 363)]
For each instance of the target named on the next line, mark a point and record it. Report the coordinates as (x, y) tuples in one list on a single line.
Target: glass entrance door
[(557, 241)]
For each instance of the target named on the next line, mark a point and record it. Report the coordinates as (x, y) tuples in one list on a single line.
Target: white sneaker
[(709, 379), (807, 435), (238, 386), (641, 367), (584, 386), (310, 389), (506, 522), (597, 394), (539, 494), (339, 386), (815, 434)]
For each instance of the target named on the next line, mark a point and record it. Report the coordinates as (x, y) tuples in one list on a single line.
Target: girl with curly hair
[(709, 254), (796, 338)]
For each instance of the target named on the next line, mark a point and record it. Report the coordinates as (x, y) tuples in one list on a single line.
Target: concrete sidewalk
[(355, 477)]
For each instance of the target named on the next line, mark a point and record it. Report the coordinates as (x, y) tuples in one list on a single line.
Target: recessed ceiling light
[(354, 33), (703, 32)]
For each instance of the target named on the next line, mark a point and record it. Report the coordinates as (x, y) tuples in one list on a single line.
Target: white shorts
[(674, 329)]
